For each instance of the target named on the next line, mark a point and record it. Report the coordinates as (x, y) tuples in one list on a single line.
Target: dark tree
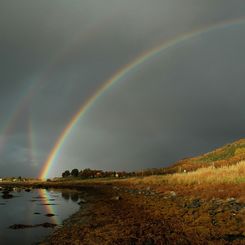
[(74, 172), (66, 174), (87, 172)]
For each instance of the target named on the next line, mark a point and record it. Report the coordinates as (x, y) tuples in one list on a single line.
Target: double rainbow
[(120, 74)]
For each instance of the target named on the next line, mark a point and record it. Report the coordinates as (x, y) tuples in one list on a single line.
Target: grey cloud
[(70, 48), (181, 104)]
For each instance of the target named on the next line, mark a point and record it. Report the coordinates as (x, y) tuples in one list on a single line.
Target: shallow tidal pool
[(34, 207)]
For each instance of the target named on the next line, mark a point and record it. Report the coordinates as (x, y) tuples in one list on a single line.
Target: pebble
[(116, 198)]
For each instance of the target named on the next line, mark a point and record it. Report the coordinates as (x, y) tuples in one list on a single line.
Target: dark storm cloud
[(69, 48), (18, 155), (186, 102)]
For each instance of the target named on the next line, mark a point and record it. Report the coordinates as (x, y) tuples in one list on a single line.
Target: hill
[(227, 155)]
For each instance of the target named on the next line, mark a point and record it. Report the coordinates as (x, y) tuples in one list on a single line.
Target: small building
[(98, 174)]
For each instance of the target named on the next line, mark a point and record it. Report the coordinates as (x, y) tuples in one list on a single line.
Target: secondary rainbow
[(38, 82), (141, 59), (23, 102)]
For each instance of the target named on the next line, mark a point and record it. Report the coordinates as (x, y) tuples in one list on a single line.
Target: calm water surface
[(30, 208)]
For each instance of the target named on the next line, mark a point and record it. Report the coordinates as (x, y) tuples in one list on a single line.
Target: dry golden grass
[(227, 174), (233, 174)]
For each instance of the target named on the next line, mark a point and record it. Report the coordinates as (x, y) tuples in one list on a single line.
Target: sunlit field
[(210, 175)]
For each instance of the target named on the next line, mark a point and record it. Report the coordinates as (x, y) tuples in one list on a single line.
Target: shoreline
[(75, 218), (122, 213)]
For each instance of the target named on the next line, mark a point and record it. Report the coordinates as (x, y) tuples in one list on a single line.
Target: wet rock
[(152, 193), (235, 206), (233, 237), (48, 225), (50, 215), (216, 205), (133, 241), (39, 197), (116, 188), (169, 194), (82, 201), (231, 199), (214, 222), (6, 192), (7, 196), (212, 212), (149, 241), (173, 194), (74, 197), (48, 204), (194, 204), (19, 226), (116, 198), (22, 226)]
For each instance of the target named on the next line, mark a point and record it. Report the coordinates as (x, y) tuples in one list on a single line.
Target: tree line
[(93, 173)]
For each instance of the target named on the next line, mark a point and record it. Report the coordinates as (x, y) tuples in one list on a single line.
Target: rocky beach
[(121, 213)]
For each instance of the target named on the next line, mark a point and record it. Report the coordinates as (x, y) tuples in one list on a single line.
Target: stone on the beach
[(22, 226), (173, 194), (116, 198), (47, 225), (82, 201), (7, 196), (50, 215), (231, 199), (19, 226), (194, 204), (149, 241), (5, 191)]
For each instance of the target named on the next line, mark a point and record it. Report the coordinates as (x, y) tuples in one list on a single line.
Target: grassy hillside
[(225, 165), (227, 155), (233, 174)]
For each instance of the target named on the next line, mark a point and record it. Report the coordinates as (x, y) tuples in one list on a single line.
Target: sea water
[(34, 207)]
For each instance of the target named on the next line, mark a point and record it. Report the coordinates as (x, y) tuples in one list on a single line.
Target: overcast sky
[(54, 54)]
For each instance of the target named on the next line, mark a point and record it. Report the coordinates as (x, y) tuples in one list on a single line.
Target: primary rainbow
[(120, 74)]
